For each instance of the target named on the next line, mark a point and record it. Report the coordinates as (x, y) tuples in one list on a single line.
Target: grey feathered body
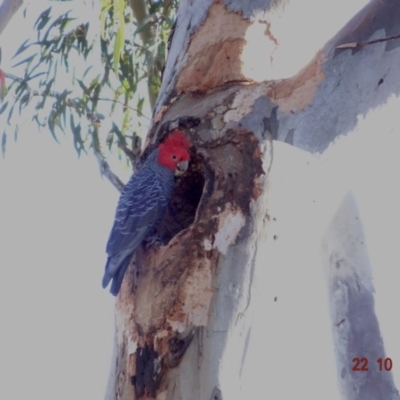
[(140, 208)]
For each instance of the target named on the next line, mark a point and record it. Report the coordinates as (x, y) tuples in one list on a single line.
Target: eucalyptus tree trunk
[(264, 289)]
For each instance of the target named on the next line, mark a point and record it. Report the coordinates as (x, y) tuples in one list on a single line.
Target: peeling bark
[(295, 94), (262, 265), (214, 53)]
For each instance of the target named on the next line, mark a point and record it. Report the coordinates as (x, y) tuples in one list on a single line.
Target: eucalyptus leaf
[(3, 144), (3, 107)]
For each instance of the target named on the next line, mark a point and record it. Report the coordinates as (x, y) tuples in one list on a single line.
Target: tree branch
[(353, 45), (123, 104), (147, 35), (7, 10), (134, 153), (35, 92), (166, 6), (140, 12), (103, 164)]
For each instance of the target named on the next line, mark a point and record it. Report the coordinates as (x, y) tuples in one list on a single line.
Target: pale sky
[(56, 212)]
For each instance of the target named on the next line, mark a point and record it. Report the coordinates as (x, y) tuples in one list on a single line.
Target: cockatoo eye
[(174, 157)]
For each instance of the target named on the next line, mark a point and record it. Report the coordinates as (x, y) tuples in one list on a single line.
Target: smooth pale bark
[(7, 10), (268, 292)]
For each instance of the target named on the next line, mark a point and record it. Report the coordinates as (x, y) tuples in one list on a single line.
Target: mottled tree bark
[(264, 289)]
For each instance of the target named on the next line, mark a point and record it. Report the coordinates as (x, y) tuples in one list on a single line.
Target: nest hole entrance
[(184, 201)]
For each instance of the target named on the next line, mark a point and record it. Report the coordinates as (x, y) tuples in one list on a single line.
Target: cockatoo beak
[(181, 168)]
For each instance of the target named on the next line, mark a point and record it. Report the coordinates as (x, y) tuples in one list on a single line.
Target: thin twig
[(31, 91), (134, 153), (129, 153), (103, 164), (140, 12), (16, 78), (123, 104), (366, 43), (106, 171), (166, 6), (35, 92)]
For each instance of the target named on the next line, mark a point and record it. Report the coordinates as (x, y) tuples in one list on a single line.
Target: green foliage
[(119, 20), (115, 59)]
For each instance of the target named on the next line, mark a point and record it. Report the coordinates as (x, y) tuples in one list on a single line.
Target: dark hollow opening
[(185, 200)]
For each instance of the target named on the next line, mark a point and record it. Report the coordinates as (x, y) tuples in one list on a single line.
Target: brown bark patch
[(166, 273), (192, 305), (298, 92), (214, 53)]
